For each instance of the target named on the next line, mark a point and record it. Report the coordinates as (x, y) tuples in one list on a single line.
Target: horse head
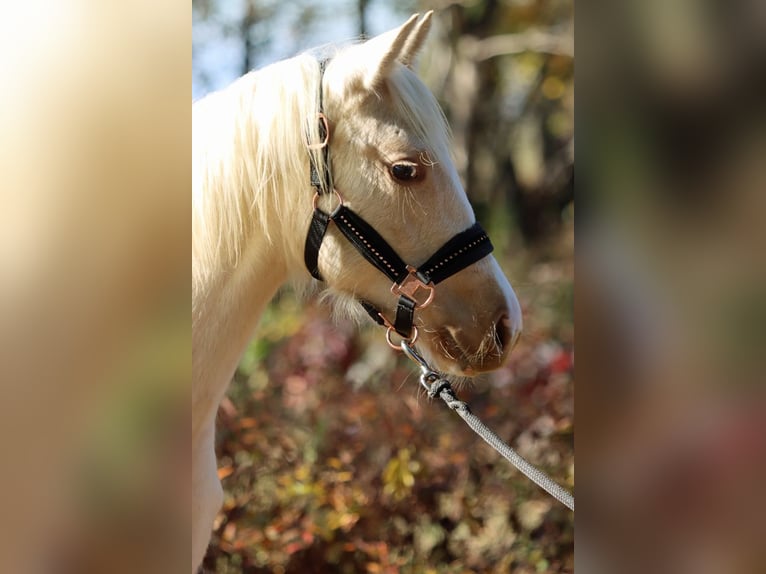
[(390, 163)]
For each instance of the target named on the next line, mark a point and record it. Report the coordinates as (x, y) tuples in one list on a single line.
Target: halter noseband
[(415, 286)]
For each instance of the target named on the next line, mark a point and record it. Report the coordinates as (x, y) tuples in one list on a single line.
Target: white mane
[(249, 148)]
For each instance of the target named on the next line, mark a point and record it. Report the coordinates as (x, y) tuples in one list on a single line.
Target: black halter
[(464, 249)]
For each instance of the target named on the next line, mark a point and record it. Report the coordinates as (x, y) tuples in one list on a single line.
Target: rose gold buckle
[(323, 119), (411, 285)]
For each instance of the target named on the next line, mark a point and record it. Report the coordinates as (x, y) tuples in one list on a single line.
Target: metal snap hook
[(414, 356)]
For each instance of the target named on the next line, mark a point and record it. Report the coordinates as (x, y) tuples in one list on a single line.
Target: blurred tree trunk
[(506, 158), (249, 19), (362, 15)]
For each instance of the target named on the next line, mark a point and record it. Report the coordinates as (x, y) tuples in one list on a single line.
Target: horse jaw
[(471, 327)]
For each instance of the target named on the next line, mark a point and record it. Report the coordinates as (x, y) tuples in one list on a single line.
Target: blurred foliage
[(332, 459)]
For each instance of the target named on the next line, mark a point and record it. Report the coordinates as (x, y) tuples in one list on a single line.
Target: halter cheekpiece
[(415, 286)]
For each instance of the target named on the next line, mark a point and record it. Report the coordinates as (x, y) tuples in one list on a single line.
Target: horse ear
[(383, 51), (415, 40)]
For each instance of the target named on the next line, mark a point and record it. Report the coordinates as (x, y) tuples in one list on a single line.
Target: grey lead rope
[(437, 385)]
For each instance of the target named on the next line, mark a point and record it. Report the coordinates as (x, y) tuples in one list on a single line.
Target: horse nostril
[(502, 332), (505, 335)]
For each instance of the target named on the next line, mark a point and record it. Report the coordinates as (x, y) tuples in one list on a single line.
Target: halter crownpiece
[(415, 286)]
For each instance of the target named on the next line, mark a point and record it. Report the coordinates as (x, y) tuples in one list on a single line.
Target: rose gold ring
[(410, 341), (316, 199)]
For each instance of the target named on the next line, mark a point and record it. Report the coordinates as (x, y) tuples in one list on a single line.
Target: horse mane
[(249, 154), (249, 143)]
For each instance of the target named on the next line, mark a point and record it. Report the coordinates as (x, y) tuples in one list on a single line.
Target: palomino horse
[(258, 148)]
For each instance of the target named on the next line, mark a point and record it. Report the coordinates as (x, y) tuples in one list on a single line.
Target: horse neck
[(242, 247), (225, 312)]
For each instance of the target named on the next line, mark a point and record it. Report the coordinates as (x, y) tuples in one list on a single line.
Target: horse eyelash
[(426, 160)]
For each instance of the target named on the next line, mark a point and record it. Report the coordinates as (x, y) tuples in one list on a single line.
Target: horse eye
[(404, 171)]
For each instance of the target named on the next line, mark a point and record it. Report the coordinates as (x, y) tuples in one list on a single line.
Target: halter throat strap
[(414, 285)]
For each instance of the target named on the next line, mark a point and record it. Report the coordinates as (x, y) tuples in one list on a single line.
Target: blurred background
[(331, 458), (95, 332), (671, 285)]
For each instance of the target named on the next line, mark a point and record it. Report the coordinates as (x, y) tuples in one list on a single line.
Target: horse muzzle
[(466, 341)]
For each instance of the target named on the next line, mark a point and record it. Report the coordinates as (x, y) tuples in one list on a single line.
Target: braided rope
[(437, 386)]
